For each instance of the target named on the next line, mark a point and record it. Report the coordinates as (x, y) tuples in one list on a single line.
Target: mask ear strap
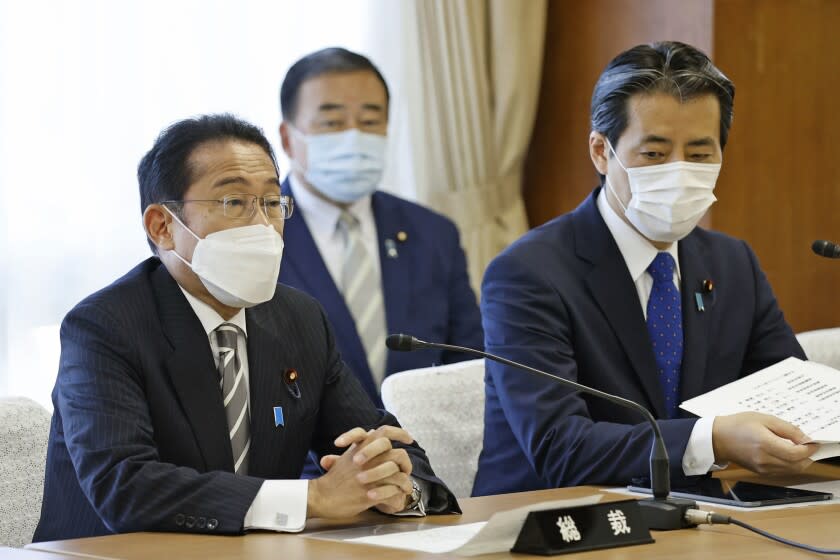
[(177, 219), (296, 166), (183, 225), (293, 162), (609, 145), (297, 132), (610, 189)]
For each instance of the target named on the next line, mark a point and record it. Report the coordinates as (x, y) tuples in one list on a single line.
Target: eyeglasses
[(244, 206)]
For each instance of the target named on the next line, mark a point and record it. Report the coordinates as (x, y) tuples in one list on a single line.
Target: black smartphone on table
[(741, 494)]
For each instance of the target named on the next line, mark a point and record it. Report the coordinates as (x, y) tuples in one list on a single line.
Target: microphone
[(662, 512), (826, 249)]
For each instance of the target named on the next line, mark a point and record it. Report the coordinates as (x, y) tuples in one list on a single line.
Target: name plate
[(603, 525)]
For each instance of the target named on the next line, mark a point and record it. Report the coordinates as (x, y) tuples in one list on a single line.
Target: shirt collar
[(211, 320), (323, 216), (637, 251)]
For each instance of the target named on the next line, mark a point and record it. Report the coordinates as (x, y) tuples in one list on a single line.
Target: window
[(85, 86)]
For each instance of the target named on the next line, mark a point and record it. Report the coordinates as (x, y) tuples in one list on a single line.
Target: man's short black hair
[(332, 60), (668, 67), (164, 173)]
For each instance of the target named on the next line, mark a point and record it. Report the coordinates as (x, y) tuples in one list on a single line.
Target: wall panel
[(780, 185), (581, 38)]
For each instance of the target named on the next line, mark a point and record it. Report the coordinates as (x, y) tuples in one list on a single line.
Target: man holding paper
[(627, 295)]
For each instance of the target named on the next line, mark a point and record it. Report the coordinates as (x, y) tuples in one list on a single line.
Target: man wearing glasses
[(190, 390)]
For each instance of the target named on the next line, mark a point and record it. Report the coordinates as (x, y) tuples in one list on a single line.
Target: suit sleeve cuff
[(699, 456), (280, 505)]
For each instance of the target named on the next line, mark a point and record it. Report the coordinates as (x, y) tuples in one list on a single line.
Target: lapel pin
[(402, 236), (391, 249), (278, 417), (708, 286), (290, 376), (698, 297)]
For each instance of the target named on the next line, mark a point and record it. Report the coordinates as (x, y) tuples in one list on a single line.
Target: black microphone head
[(400, 342), (826, 249)]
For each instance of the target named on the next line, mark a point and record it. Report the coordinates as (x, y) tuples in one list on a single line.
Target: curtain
[(85, 87), (466, 84)]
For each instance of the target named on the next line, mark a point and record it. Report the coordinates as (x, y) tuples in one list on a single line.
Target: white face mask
[(344, 166), (238, 266), (668, 200)]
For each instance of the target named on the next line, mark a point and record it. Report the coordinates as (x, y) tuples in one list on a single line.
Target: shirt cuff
[(699, 456), (280, 505), (420, 510)]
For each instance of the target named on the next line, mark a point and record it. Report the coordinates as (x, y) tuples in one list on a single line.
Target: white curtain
[(466, 81), (85, 86)]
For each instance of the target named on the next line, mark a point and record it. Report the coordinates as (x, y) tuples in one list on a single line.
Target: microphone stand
[(661, 512)]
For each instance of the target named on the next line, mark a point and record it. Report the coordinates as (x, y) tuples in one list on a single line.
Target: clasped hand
[(370, 473)]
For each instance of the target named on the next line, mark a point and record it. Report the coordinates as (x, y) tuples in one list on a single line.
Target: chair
[(24, 430), (443, 408), (822, 346)]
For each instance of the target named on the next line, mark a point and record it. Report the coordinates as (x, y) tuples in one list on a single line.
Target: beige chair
[(24, 430), (443, 408), (822, 346)]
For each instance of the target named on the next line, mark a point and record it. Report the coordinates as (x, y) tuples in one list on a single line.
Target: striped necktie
[(235, 394), (361, 287), (664, 322)]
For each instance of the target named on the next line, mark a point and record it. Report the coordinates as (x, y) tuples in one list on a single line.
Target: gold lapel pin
[(290, 376)]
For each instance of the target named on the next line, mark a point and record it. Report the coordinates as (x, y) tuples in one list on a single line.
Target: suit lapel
[(304, 259), (613, 289), (266, 364), (193, 372), (398, 259), (695, 322)]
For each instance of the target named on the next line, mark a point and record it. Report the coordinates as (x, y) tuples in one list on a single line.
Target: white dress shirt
[(638, 253), (321, 218), (280, 505)]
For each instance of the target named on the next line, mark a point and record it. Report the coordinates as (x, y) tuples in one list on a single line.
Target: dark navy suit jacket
[(426, 288), (561, 299), (139, 440)]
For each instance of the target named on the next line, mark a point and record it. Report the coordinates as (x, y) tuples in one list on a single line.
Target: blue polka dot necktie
[(664, 323)]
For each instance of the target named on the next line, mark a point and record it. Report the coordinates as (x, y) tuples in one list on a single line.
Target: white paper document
[(437, 540), (471, 539), (806, 394)]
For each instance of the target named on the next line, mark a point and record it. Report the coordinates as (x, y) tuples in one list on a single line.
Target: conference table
[(817, 525), (7, 553)]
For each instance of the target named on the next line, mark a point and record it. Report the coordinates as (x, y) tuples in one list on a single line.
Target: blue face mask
[(344, 166)]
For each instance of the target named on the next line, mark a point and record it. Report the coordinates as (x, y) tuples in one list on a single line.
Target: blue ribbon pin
[(278, 416), (391, 249), (698, 297)]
